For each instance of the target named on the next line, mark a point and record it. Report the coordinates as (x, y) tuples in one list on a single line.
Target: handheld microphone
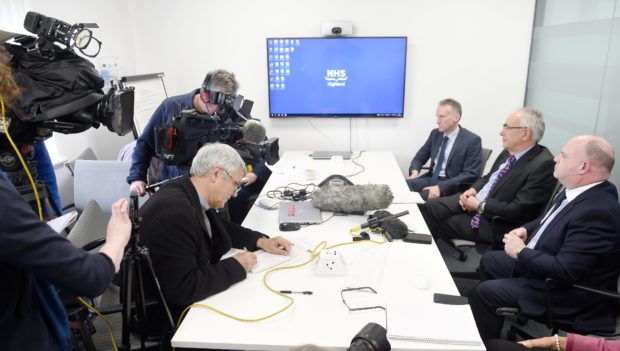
[(393, 228), (374, 221), (356, 199), (254, 132)]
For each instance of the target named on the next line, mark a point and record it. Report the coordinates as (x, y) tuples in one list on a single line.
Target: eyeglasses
[(506, 127), (361, 289), (238, 185)]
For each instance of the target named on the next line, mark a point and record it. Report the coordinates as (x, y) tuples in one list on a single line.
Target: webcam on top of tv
[(336, 28)]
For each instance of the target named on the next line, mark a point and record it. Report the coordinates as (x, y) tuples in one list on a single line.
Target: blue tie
[(442, 151)]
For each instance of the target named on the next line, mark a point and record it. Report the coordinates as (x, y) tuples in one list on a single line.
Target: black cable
[(357, 164), (287, 192)]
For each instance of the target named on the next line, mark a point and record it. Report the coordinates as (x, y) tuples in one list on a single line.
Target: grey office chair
[(64, 178), (89, 227), (103, 181)]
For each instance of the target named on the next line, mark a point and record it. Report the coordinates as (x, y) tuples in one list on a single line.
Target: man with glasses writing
[(517, 187), (187, 238)]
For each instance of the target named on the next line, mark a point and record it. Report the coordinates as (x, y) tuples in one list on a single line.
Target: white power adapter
[(330, 262)]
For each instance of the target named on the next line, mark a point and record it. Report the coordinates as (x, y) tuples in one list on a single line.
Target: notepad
[(62, 222), (266, 260), (431, 322)]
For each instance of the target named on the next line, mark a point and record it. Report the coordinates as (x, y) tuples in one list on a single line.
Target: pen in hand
[(306, 292)]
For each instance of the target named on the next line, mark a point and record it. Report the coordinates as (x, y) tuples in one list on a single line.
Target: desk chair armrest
[(607, 293), (602, 292), (460, 243)]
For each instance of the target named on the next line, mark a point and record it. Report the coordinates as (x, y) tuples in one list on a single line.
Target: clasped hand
[(514, 241), (468, 200)]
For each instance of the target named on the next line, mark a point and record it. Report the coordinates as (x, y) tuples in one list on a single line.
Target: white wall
[(475, 51)]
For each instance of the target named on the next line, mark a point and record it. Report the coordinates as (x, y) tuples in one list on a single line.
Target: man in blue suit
[(576, 241), (458, 161)]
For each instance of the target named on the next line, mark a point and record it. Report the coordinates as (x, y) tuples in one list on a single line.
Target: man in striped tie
[(517, 187), (576, 242)]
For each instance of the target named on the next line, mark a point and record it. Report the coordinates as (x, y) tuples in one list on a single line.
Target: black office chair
[(551, 322), (484, 157)]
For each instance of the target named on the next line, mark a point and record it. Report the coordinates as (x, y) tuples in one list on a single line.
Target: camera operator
[(33, 256), (219, 80), (187, 238)]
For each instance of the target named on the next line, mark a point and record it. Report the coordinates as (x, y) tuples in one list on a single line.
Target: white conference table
[(322, 318)]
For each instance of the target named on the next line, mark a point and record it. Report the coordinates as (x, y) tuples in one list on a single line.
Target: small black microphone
[(374, 222)]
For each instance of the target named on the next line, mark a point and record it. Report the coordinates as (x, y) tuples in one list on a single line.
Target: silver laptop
[(326, 155), (301, 212)]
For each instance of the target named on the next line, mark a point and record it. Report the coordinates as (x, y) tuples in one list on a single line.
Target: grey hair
[(533, 120), (216, 155), (222, 79), (455, 106)]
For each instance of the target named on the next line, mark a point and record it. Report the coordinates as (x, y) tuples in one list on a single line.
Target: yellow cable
[(19, 155), (108, 325), (313, 255)]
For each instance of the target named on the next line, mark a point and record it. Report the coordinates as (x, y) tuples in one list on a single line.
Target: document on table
[(408, 319), (266, 260)]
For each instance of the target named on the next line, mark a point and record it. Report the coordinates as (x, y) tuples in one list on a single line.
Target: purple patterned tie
[(475, 221)]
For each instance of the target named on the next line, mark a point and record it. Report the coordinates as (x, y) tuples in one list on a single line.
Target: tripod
[(136, 259)]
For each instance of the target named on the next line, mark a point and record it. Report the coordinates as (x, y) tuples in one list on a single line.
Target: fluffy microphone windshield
[(352, 198), (393, 227), (254, 132)]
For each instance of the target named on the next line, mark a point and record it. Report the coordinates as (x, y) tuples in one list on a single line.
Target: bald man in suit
[(576, 241)]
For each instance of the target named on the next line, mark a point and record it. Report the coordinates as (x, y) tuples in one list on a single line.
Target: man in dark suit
[(459, 162), (517, 187), (576, 241), (187, 238)]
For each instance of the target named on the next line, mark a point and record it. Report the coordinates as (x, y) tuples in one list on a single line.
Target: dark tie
[(475, 221), (558, 200), (440, 157), (556, 203)]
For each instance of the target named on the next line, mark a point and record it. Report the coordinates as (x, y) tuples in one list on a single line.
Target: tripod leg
[(140, 301), (127, 269), (160, 294)]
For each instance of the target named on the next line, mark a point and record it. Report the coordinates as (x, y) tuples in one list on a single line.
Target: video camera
[(372, 337), (177, 142), (61, 91)]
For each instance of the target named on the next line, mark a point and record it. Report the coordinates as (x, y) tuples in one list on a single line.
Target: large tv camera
[(177, 142), (61, 91)]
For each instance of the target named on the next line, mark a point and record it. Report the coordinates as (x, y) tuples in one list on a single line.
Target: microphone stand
[(136, 259)]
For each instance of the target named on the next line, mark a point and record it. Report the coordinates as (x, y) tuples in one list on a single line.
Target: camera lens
[(336, 30)]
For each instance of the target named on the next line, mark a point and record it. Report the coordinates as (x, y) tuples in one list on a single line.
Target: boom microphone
[(254, 132), (355, 199)]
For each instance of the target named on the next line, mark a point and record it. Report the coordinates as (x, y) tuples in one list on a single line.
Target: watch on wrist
[(480, 208)]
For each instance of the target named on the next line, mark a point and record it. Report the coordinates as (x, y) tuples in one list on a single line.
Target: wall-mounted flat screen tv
[(336, 77)]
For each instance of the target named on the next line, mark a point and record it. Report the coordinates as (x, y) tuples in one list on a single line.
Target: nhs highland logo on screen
[(336, 77)]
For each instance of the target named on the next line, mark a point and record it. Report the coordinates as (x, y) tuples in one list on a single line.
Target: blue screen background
[(375, 76)]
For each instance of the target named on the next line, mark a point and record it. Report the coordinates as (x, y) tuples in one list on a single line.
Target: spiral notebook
[(432, 322)]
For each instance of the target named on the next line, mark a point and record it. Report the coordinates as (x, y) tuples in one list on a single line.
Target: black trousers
[(498, 288), (447, 220)]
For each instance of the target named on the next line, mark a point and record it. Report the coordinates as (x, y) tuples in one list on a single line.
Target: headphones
[(213, 97)]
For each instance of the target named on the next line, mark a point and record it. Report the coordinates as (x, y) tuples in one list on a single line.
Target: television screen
[(336, 77)]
